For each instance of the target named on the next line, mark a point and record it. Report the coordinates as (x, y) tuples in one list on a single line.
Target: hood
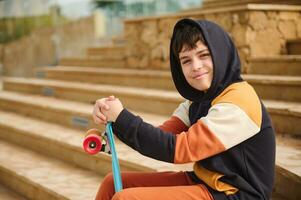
[(226, 63)]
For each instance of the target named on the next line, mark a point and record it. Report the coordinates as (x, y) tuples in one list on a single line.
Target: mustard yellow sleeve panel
[(244, 96)]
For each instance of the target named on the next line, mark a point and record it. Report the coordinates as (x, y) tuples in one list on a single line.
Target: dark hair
[(186, 35)]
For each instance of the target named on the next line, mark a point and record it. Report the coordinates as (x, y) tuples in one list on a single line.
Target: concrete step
[(159, 101), (109, 52), (294, 47), (155, 79), (93, 62), (37, 176), (286, 65), (66, 144), (284, 88), (67, 113), (8, 194), (136, 99), (286, 115), (118, 40), (288, 168), (276, 196), (64, 112)]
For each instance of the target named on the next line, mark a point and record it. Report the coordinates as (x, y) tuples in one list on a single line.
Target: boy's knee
[(108, 180), (106, 190), (123, 195)]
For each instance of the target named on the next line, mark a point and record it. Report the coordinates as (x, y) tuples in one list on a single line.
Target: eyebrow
[(200, 51)]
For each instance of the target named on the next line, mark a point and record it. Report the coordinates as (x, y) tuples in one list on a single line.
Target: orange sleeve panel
[(196, 144), (173, 125)]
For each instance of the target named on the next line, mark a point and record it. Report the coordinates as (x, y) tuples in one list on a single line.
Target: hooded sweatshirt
[(226, 132)]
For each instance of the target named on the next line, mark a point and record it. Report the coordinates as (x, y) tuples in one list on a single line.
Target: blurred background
[(50, 35), (58, 56), (20, 17)]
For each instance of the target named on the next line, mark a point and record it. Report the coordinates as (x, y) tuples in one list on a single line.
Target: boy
[(222, 127)]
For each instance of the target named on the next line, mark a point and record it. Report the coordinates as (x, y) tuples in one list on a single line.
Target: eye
[(204, 56), (185, 62)]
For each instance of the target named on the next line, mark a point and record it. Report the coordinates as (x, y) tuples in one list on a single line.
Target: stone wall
[(223, 3), (75, 37), (257, 30), (1, 56), (44, 47), (19, 57)]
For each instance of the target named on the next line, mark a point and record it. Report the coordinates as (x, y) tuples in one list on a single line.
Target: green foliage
[(108, 3), (14, 28)]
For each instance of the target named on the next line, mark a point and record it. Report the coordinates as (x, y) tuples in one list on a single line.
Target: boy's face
[(197, 66)]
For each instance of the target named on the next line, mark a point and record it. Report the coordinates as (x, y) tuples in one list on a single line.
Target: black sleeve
[(144, 138)]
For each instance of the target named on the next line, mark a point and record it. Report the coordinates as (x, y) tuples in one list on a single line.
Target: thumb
[(112, 97)]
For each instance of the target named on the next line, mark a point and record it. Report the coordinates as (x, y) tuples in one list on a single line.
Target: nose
[(197, 64)]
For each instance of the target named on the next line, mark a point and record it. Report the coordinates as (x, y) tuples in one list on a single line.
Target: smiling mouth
[(199, 76)]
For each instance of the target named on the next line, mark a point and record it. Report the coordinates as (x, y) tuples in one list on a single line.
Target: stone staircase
[(43, 121), (43, 126), (110, 56), (7, 194)]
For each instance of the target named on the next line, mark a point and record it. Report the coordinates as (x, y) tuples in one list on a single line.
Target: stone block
[(265, 43), (132, 48), (258, 20), (160, 51), (241, 17), (211, 17), (239, 34), (244, 53), (225, 20), (144, 62), (149, 32), (157, 64), (132, 62), (165, 26), (272, 15), (131, 31), (287, 29), (157, 52), (298, 27), (138, 62), (285, 15)]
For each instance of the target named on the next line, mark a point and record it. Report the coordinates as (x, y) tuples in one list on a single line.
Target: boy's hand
[(106, 109), (115, 109), (99, 107)]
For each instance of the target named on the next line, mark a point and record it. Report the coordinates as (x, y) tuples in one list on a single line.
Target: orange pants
[(153, 186)]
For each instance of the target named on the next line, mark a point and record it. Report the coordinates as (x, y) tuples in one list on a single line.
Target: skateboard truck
[(96, 142)]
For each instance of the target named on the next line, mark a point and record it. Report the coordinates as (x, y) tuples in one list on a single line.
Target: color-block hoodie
[(226, 132)]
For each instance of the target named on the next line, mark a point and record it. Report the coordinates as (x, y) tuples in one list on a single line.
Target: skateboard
[(96, 142)]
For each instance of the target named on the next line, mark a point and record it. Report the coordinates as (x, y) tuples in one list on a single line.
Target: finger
[(102, 105), (97, 120), (99, 114), (111, 97), (102, 119)]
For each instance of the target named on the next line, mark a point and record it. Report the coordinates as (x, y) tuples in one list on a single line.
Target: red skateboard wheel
[(92, 144)]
